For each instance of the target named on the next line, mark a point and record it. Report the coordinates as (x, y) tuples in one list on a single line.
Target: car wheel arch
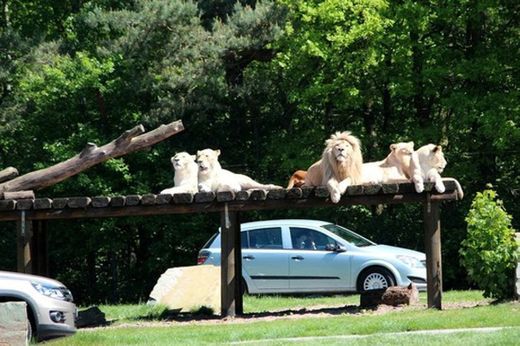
[(374, 268)]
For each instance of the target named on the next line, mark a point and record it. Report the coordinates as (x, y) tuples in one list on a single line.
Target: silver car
[(50, 308), (294, 256)]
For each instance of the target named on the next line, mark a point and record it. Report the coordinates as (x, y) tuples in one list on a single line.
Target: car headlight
[(410, 261), (60, 293)]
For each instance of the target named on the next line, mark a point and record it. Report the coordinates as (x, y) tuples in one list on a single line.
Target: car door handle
[(249, 257), (297, 258)]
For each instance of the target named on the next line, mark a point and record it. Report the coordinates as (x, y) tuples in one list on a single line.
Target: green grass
[(367, 322)]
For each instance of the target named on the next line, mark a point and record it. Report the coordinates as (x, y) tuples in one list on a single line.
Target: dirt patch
[(314, 312)]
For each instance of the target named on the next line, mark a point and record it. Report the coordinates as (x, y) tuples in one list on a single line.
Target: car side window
[(266, 238), (244, 240), (308, 239)]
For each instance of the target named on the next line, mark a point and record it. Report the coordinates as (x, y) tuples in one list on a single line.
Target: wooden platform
[(151, 204), (31, 216)]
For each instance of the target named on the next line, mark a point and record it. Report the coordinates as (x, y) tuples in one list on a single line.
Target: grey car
[(50, 307), (295, 256)]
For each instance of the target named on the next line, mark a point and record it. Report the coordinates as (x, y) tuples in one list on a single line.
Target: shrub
[(489, 252)]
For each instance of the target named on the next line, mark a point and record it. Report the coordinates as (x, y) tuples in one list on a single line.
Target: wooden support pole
[(23, 241), (432, 239), (231, 264)]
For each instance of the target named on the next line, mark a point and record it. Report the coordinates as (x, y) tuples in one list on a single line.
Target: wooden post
[(39, 256), (23, 240), (432, 239), (231, 264)]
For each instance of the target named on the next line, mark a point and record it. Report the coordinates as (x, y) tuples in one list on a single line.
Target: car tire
[(375, 278)]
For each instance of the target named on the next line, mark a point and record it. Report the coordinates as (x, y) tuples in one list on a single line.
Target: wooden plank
[(307, 192), (225, 196), (294, 193), (204, 197), (100, 201), (276, 194), (231, 265), (243, 195), (59, 203), (372, 189), (79, 202), (258, 195), (390, 188), (133, 200), (432, 242), (354, 190), (118, 201), (321, 192), (29, 194), (24, 204), (7, 204), (148, 199), (182, 198), (163, 199), (42, 203)]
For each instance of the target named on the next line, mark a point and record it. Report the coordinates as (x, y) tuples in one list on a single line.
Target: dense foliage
[(490, 252), (266, 82)]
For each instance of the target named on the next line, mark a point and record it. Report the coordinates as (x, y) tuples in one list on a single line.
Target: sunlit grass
[(266, 330)]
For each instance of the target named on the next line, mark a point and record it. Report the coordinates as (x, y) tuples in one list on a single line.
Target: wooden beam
[(231, 303), (23, 244), (432, 240)]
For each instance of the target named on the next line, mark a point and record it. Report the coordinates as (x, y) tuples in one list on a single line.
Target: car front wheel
[(375, 278)]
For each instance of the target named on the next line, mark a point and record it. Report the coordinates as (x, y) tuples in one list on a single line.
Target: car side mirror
[(340, 248)]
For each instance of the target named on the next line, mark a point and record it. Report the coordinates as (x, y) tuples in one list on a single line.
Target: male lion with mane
[(340, 165)]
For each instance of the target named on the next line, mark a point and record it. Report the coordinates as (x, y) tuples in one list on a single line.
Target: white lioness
[(426, 165), (185, 178), (394, 168), (340, 165), (212, 177)]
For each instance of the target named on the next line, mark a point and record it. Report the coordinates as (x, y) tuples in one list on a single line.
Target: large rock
[(189, 288), (13, 323)]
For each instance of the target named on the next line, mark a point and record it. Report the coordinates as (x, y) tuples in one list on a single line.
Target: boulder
[(91, 317), (394, 295), (189, 288), (14, 323)]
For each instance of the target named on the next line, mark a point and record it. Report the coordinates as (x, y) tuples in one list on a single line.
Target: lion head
[(342, 157), (207, 160), (431, 156), (182, 161)]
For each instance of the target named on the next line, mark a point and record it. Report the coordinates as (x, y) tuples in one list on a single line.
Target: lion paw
[(335, 196), (204, 188), (439, 186), (419, 188)]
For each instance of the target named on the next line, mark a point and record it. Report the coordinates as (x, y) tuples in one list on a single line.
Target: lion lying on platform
[(427, 164), (212, 177), (395, 168), (185, 179)]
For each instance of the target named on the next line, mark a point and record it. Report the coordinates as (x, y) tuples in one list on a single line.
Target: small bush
[(489, 252)]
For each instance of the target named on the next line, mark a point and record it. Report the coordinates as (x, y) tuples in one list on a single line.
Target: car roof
[(290, 222)]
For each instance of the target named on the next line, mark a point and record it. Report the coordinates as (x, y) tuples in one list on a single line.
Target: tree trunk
[(130, 141)]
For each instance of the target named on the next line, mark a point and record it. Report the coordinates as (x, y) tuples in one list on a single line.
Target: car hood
[(32, 278), (394, 250)]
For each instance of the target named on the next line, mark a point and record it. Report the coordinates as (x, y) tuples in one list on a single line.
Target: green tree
[(490, 252)]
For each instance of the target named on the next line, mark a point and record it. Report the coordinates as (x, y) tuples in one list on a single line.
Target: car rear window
[(210, 241), (266, 238)]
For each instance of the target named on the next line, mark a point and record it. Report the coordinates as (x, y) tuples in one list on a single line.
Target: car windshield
[(348, 235)]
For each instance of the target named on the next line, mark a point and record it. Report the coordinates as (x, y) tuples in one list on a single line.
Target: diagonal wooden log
[(132, 140), (8, 174)]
